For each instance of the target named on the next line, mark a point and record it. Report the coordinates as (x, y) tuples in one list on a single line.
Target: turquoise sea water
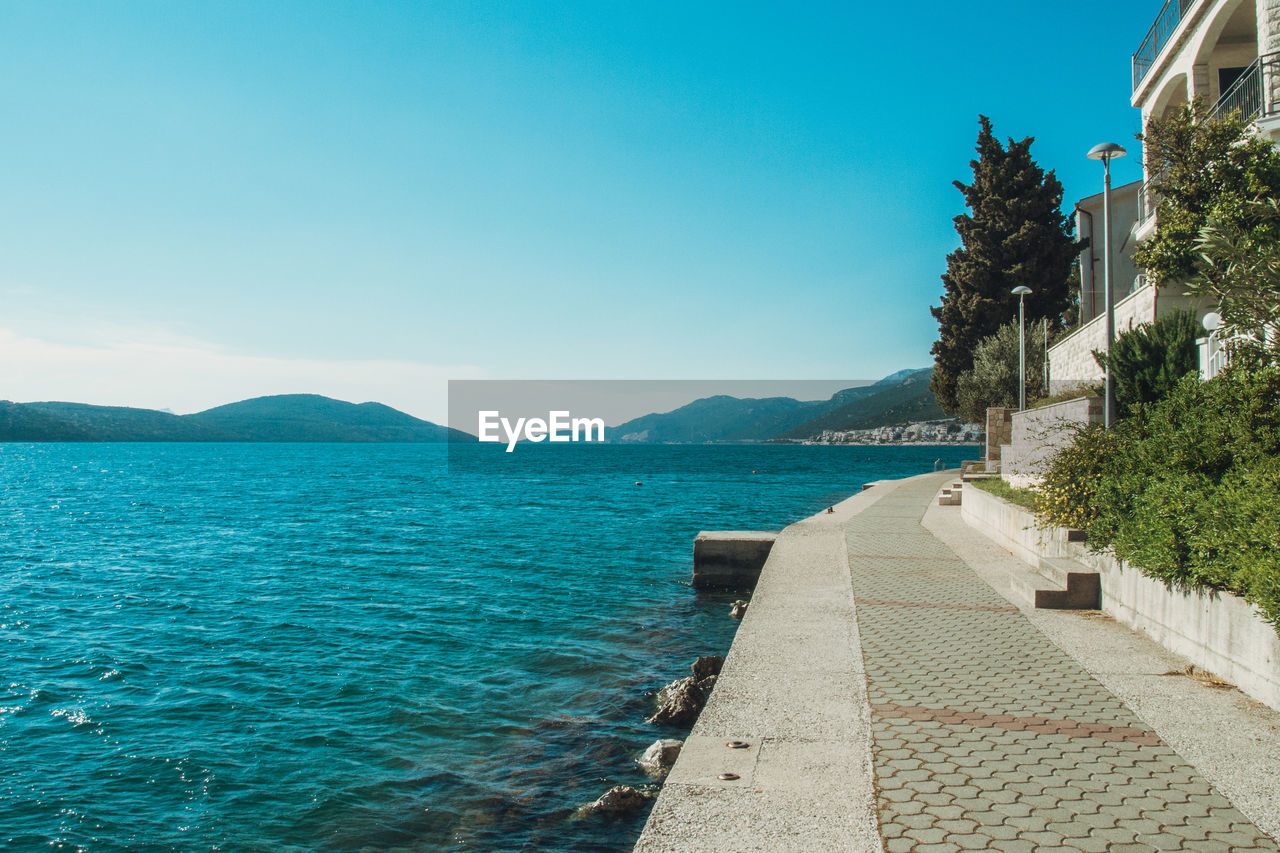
[(346, 647)]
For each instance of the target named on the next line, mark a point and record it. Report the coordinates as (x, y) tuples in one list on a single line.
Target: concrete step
[(1060, 584), (1029, 586), (1056, 570), (969, 478), (949, 496)]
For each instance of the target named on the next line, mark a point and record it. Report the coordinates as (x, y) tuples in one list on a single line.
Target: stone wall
[(1039, 433), (1071, 361), (1269, 42), (999, 432)]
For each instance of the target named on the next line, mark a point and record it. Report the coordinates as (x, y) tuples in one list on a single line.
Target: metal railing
[(1157, 37), (1148, 201), (1214, 356), (1249, 95), (1139, 282)]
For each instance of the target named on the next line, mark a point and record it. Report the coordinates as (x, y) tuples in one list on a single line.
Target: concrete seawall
[(889, 689), (793, 688)]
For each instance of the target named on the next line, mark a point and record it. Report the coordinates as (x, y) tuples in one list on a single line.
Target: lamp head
[(1106, 151), (1212, 321), (1021, 291)]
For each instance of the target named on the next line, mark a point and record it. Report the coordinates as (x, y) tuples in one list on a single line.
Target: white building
[(1224, 51)]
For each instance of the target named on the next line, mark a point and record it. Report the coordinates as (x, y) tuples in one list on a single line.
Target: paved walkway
[(986, 735), (894, 700)]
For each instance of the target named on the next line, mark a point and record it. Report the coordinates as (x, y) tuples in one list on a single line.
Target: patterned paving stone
[(989, 737)]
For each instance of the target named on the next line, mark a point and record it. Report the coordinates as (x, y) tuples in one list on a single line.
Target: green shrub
[(1188, 489), (1148, 360), (1068, 491)]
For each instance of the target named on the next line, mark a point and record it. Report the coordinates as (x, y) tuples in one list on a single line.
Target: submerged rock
[(738, 609), (621, 799), (679, 702), (659, 757)]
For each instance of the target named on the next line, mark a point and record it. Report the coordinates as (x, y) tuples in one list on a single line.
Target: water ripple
[(339, 648)]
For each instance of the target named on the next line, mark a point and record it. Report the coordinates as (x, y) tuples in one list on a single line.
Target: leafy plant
[(1148, 360), (1069, 489), (993, 379), (1203, 172), (1238, 264)]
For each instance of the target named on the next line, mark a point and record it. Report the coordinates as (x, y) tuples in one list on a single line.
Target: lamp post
[(1106, 152), (1021, 292)]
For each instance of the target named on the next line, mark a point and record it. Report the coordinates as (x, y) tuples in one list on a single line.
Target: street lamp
[(1021, 291), (1106, 152)]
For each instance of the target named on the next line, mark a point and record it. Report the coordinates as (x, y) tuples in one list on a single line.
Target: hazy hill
[(718, 418), (310, 417), (899, 398), (119, 423), (908, 399), (20, 422), (287, 417)]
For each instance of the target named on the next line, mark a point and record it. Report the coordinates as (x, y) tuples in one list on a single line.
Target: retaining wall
[(1037, 434), (1216, 631)]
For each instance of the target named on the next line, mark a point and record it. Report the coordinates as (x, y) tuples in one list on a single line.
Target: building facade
[(1226, 52)]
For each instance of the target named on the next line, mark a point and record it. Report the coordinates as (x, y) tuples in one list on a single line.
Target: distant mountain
[(901, 397), (287, 417), (118, 423), (310, 417), (24, 423), (719, 418), (905, 399)]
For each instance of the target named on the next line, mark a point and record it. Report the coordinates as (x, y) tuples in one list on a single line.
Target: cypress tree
[(1015, 233)]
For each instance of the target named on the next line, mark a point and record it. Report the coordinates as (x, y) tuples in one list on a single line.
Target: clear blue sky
[(207, 201)]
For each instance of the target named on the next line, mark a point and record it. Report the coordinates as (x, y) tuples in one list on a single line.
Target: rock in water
[(622, 799), (659, 757), (681, 702), (738, 609), (706, 666)]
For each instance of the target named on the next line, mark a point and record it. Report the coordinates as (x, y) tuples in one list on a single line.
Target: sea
[(351, 647)]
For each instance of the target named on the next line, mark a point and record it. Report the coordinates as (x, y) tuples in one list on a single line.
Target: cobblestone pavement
[(986, 736)]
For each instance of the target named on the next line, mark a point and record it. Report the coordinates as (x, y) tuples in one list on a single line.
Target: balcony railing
[(1214, 355), (1148, 201), (1157, 37), (1249, 95)]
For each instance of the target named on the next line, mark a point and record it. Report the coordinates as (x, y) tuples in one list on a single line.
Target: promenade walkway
[(895, 700)]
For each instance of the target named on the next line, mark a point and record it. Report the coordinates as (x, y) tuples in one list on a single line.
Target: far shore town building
[(1226, 52), (946, 431)]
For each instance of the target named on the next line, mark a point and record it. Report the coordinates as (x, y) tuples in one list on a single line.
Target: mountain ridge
[(900, 397), (275, 418)]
